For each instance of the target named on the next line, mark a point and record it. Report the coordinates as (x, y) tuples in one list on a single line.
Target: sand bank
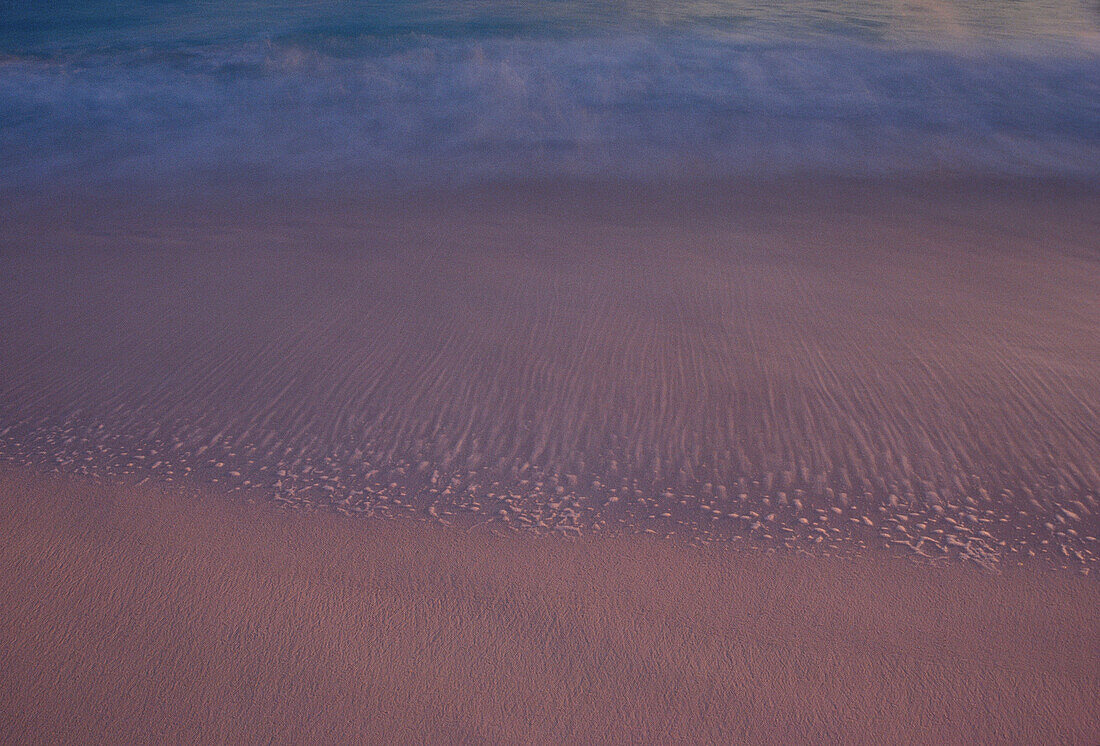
[(138, 614)]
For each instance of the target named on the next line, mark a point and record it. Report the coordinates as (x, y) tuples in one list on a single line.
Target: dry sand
[(147, 615)]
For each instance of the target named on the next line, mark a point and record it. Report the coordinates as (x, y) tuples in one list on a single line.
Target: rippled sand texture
[(842, 366), (214, 622)]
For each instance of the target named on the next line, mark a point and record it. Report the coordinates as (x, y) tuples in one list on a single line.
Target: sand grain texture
[(137, 615)]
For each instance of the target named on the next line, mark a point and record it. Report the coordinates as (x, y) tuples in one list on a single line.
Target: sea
[(460, 91)]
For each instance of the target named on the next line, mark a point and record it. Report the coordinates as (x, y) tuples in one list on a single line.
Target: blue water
[(464, 90)]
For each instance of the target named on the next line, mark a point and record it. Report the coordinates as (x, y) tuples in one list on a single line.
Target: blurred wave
[(452, 92), (76, 25)]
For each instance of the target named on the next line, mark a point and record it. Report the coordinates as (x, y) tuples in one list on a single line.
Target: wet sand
[(826, 366), (145, 614)]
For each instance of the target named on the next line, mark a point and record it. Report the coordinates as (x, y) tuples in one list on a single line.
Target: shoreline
[(408, 517), (210, 191), (212, 619)]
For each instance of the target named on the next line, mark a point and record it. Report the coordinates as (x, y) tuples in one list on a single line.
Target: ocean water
[(466, 90)]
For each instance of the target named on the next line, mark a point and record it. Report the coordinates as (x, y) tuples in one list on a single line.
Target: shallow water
[(899, 367)]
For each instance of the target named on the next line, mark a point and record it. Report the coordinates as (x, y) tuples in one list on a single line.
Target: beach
[(786, 462), (184, 615), (578, 372)]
